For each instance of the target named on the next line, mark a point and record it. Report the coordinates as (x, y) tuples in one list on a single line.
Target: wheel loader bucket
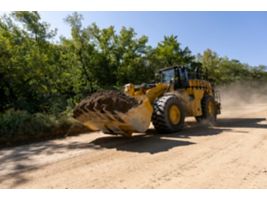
[(110, 116)]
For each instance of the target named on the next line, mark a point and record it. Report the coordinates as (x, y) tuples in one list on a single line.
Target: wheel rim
[(211, 108), (174, 114)]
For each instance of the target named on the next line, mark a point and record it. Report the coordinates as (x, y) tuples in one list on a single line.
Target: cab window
[(168, 76)]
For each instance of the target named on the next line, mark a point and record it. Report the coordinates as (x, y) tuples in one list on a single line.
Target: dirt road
[(231, 155)]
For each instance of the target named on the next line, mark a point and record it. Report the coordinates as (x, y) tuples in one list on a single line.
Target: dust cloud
[(243, 93)]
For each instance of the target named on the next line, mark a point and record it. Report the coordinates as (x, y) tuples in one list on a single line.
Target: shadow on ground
[(15, 161), (242, 123), (153, 142), (141, 143), (149, 143)]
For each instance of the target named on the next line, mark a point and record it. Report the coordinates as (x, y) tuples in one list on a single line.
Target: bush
[(18, 126)]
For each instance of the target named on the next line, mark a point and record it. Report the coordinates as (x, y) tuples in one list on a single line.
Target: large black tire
[(209, 112), (161, 118)]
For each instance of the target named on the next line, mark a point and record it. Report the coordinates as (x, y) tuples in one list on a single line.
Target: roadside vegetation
[(42, 80)]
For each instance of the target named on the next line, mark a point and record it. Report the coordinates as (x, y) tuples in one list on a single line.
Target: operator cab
[(176, 76)]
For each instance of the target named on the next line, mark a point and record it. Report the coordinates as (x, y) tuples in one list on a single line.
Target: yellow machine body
[(138, 118), (191, 96)]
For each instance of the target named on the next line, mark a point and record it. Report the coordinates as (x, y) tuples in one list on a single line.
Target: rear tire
[(209, 112), (168, 115)]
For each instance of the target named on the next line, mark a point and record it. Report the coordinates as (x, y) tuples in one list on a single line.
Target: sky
[(237, 35)]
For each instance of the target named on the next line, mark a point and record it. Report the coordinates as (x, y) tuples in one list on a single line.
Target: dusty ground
[(231, 155)]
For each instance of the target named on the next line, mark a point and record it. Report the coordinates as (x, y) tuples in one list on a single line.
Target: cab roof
[(168, 68)]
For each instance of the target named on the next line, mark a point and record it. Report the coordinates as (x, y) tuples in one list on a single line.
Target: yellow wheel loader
[(177, 95)]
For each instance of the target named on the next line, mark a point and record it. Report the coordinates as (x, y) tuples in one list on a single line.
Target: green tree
[(223, 70), (133, 62), (169, 53), (31, 72), (210, 62), (39, 75), (81, 50)]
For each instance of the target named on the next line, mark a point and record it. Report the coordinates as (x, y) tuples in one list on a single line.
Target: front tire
[(169, 114)]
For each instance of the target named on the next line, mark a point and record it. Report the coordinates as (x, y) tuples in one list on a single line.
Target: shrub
[(17, 126)]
